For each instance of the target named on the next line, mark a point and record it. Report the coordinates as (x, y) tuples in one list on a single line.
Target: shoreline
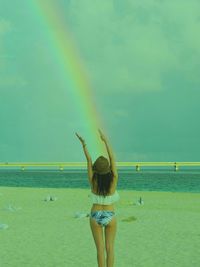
[(79, 188)]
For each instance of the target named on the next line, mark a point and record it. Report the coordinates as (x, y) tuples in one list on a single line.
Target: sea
[(146, 180)]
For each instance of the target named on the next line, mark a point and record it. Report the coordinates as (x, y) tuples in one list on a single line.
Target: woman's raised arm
[(110, 154), (88, 157)]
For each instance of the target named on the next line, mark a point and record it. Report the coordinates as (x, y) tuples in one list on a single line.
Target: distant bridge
[(62, 165)]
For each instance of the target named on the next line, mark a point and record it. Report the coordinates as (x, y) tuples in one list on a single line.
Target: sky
[(142, 61)]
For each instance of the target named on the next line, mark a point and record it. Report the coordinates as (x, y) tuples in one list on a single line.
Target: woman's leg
[(97, 232), (110, 233)]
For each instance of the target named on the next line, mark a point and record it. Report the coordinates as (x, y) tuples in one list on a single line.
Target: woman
[(103, 178)]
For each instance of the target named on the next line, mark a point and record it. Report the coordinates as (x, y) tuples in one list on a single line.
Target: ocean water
[(180, 181)]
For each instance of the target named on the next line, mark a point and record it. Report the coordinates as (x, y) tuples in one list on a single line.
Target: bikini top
[(107, 200)]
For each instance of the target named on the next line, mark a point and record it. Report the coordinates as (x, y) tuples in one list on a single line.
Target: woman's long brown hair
[(103, 182)]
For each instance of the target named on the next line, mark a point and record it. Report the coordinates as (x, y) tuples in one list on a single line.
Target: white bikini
[(107, 200)]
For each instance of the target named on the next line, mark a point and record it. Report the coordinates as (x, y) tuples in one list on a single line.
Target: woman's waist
[(96, 207)]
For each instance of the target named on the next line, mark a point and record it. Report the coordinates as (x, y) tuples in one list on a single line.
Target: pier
[(137, 166)]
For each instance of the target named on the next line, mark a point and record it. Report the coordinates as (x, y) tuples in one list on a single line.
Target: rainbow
[(71, 68)]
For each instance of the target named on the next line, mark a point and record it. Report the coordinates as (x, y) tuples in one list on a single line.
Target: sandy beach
[(163, 232)]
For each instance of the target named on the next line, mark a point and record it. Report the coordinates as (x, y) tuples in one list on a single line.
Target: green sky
[(142, 58)]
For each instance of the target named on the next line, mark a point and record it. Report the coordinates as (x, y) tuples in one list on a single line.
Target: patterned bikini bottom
[(102, 217)]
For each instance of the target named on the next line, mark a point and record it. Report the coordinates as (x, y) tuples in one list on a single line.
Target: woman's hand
[(103, 138), (81, 139)]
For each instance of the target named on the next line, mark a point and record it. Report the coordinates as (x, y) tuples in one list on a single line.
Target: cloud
[(5, 26), (13, 81), (132, 156), (120, 113), (130, 45)]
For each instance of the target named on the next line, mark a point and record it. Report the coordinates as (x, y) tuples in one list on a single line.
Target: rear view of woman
[(103, 178)]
